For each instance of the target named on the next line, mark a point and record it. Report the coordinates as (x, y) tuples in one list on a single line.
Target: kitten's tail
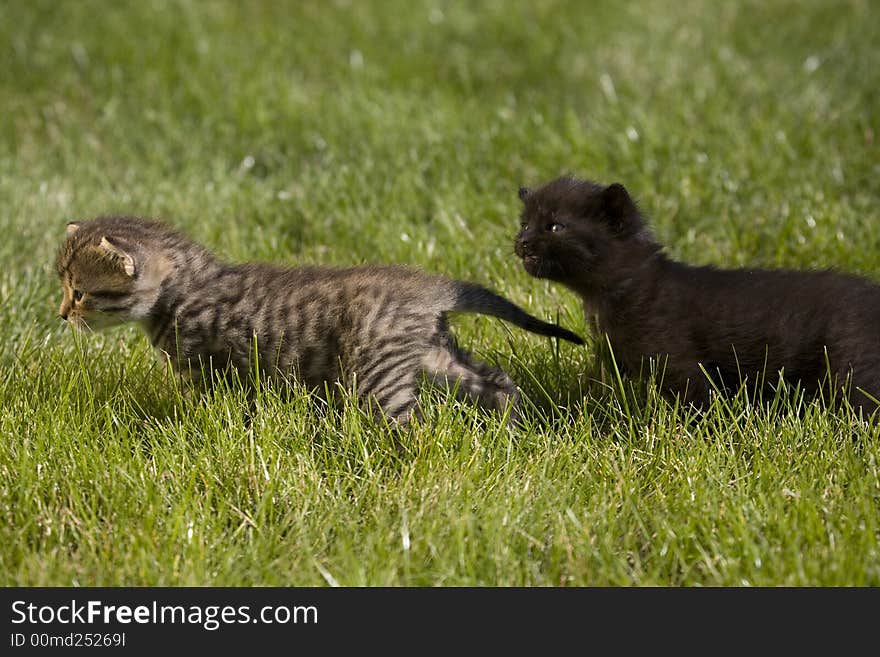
[(471, 297)]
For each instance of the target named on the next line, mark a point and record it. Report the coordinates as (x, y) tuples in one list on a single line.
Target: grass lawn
[(351, 132)]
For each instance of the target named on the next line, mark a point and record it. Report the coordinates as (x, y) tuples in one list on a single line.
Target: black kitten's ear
[(72, 227), (618, 206), (524, 193)]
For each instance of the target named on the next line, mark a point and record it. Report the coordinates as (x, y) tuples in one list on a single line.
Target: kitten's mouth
[(532, 264), (77, 324), (94, 323)]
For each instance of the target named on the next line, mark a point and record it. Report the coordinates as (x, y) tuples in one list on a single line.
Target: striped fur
[(379, 329)]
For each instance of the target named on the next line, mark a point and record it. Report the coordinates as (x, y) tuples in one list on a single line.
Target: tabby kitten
[(378, 328), (736, 324)]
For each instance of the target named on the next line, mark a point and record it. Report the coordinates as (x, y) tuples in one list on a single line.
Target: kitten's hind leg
[(449, 367), (864, 391), (393, 386)]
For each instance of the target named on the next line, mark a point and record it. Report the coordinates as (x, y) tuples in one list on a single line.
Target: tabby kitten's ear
[(72, 227), (120, 252), (524, 193), (619, 209)]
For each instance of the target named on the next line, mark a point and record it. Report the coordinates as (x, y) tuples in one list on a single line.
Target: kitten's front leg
[(695, 388), (182, 381)]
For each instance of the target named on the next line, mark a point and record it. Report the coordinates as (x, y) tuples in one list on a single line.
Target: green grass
[(349, 132)]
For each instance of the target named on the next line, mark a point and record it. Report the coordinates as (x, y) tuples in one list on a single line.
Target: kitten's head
[(570, 229), (109, 272)]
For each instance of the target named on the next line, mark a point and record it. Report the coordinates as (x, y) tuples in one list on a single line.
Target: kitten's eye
[(555, 228), (77, 295)]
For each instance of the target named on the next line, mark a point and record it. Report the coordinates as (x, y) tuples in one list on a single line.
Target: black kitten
[(740, 325)]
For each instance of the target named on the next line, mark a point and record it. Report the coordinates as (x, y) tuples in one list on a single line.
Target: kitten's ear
[(72, 227), (618, 207), (119, 251), (524, 193)]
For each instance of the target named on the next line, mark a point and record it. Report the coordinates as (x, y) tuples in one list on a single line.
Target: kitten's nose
[(63, 315)]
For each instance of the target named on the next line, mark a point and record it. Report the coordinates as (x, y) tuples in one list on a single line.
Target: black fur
[(739, 325)]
